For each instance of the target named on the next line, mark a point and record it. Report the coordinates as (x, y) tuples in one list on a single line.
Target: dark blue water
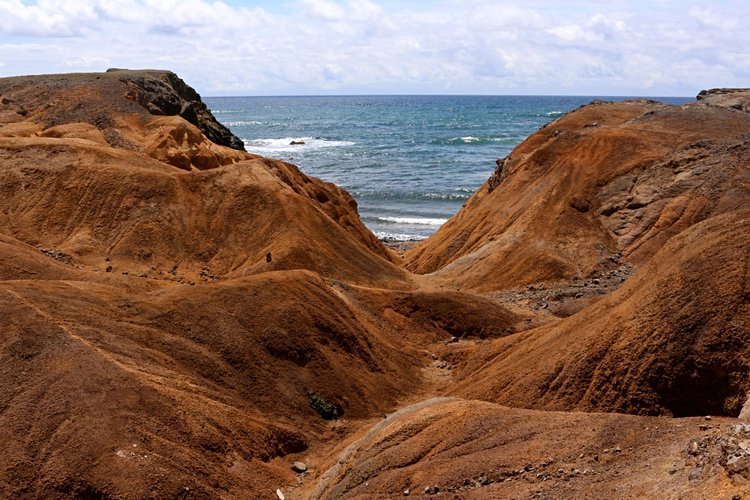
[(410, 161)]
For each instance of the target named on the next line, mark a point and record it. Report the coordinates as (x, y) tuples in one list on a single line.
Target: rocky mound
[(605, 185), (93, 98), (175, 387), (164, 93), (157, 319), (738, 99), (89, 172), (493, 451), (672, 340)]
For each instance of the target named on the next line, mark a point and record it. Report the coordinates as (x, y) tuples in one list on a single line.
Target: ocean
[(409, 161)]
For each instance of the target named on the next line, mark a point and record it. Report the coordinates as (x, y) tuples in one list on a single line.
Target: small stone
[(738, 480), (406, 492), (704, 427), (708, 417), (280, 494), (738, 465), (299, 467), (109, 269), (595, 281), (696, 474), (617, 450)]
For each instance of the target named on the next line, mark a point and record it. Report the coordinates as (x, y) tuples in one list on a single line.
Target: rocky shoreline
[(182, 318)]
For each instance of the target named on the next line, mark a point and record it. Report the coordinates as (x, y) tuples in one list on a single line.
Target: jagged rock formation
[(738, 99), (164, 93)]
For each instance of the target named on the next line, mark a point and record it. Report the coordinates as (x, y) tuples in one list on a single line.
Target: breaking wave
[(418, 221), (263, 146)]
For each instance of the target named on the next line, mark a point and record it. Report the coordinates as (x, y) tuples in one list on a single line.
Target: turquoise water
[(410, 161)]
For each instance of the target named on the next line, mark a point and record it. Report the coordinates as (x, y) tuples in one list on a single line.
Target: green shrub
[(325, 409)]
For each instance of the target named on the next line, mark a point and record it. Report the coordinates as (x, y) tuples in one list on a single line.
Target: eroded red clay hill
[(608, 180), (179, 315)]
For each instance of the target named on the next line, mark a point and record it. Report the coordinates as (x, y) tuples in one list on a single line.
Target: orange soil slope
[(606, 181), (493, 451), (146, 330), (95, 200), (674, 339)]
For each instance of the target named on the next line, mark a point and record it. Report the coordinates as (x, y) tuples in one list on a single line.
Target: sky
[(310, 47)]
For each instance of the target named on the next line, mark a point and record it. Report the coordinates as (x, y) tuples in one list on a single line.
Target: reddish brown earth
[(180, 315)]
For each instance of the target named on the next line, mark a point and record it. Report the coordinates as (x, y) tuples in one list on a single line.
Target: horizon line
[(632, 96)]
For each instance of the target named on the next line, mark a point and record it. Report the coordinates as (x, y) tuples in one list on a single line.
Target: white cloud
[(323, 9), (59, 18), (365, 10), (89, 62), (362, 46), (712, 19)]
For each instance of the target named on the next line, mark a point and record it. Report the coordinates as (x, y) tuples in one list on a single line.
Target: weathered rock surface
[(477, 450), (738, 99), (672, 340), (573, 198), (164, 93)]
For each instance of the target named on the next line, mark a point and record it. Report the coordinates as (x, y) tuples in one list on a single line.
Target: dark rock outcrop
[(94, 98), (164, 93), (738, 99)]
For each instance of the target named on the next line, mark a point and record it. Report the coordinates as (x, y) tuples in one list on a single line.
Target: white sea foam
[(242, 123), (388, 236), (417, 221), (554, 113), (469, 139), (285, 144)]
